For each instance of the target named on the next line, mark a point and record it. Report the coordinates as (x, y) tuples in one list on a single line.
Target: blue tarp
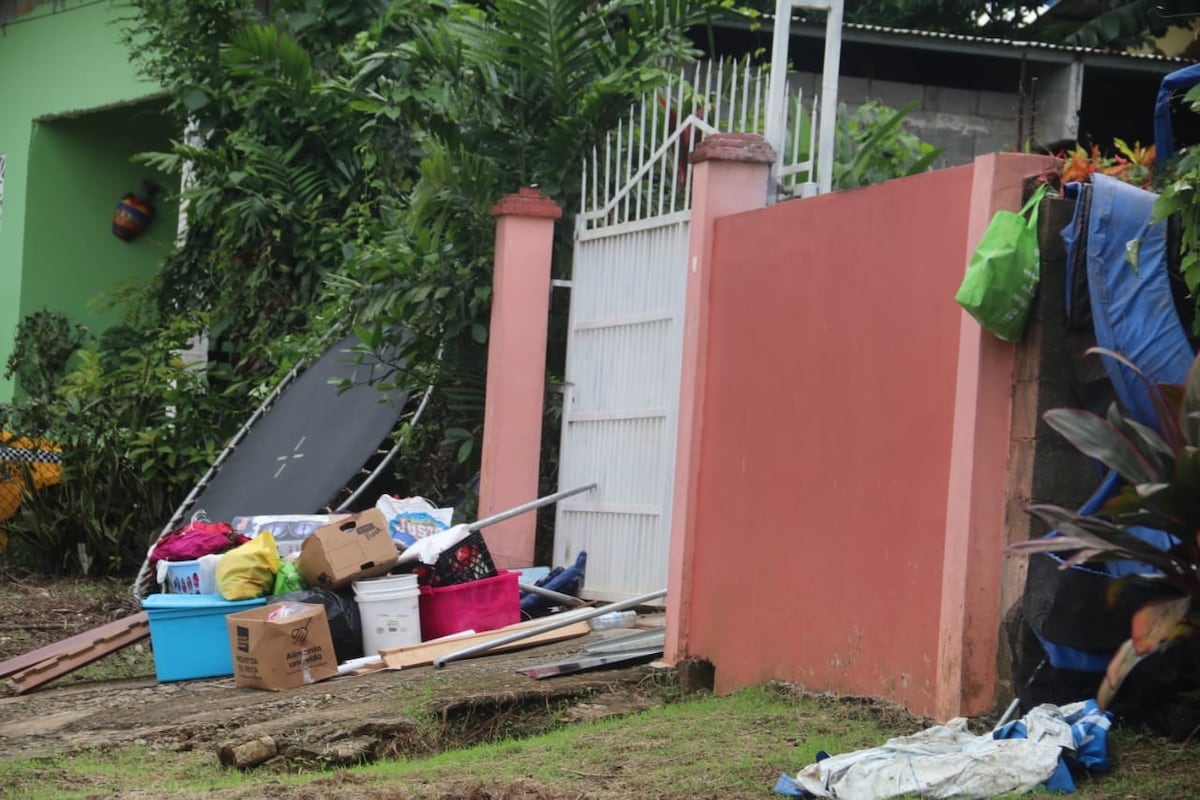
[(1164, 138), (1132, 306), (1134, 314)]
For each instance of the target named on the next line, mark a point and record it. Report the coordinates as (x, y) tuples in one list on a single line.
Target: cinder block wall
[(964, 123)]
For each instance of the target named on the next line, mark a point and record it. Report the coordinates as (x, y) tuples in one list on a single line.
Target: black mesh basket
[(468, 560)]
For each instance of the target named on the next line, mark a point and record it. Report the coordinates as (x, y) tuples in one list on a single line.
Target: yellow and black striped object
[(23, 458)]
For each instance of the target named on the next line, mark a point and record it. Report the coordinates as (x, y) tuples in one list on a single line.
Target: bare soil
[(117, 703), (350, 719)]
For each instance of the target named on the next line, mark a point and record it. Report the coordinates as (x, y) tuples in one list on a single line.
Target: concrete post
[(512, 420), (731, 175), (975, 525)]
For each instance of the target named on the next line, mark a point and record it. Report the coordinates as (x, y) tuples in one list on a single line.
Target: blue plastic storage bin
[(189, 636)]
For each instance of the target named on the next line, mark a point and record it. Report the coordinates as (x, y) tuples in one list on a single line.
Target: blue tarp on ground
[(948, 761)]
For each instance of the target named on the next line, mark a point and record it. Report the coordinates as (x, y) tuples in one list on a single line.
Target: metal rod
[(556, 622), (1008, 712), (396, 447), (550, 594), (530, 506)]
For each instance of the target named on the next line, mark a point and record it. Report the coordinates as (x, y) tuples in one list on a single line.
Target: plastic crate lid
[(165, 602)]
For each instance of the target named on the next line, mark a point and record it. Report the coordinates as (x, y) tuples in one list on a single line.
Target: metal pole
[(530, 506), (556, 622), (777, 89), (565, 599), (829, 96)]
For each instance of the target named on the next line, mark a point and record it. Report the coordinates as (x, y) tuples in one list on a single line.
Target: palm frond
[(264, 48)]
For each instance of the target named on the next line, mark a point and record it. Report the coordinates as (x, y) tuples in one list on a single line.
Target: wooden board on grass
[(52, 661), (418, 655)]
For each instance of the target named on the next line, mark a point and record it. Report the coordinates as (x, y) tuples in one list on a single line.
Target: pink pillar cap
[(746, 147), (527, 202)]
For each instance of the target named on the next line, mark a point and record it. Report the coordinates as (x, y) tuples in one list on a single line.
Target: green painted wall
[(79, 168), (61, 58)]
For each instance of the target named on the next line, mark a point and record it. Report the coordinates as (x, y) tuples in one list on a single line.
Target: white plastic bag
[(427, 550), (289, 530), (413, 518), (208, 573)]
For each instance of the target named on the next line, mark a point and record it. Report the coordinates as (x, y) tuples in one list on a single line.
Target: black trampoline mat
[(308, 445)]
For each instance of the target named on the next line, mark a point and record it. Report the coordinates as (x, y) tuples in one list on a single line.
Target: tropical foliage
[(1106, 24), (1133, 165), (135, 427), (342, 157), (872, 145), (1161, 467), (1180, 194), (1001, 18), (1130, 23)]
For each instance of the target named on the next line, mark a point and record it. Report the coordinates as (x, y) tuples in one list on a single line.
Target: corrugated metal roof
[(1012, 44)]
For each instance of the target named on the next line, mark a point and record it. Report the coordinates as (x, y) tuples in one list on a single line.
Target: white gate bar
[(631, 413), (639, 318), (672, 218), (673, 167), (612, 508), (660, 130), (637, 211), (595, 176), (614, 201)]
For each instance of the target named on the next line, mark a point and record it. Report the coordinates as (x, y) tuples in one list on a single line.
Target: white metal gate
[(621, 393)]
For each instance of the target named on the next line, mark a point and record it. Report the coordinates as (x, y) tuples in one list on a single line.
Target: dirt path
[(340, 721), (343, 720)]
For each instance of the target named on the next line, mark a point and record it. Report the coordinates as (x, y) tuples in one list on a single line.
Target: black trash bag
[(345, 624)]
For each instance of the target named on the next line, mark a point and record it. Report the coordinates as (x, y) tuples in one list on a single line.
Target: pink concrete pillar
[(731, 175), (516, 377), (969, 628)]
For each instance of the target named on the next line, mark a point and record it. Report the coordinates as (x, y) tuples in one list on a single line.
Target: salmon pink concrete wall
[(833, 343), (846, 470)]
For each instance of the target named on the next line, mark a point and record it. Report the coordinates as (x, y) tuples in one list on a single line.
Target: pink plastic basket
[(481, 605)]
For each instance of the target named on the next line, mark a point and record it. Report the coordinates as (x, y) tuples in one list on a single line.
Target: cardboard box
[(187, 634), (274, 649), (350, 549)]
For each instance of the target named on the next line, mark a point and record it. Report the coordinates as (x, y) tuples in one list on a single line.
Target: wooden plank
[(416, 655), (79, 651), (103, 633)]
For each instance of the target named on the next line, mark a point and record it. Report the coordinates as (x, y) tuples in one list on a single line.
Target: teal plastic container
[(189, 636)]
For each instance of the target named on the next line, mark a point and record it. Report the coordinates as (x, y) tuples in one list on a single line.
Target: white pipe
[(776, 89), (530, 506), (829, 96)]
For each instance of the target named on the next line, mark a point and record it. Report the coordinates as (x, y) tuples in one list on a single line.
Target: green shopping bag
[(1002, 277)]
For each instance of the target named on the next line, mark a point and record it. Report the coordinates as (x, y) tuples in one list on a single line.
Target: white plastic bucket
[(389, 611)]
